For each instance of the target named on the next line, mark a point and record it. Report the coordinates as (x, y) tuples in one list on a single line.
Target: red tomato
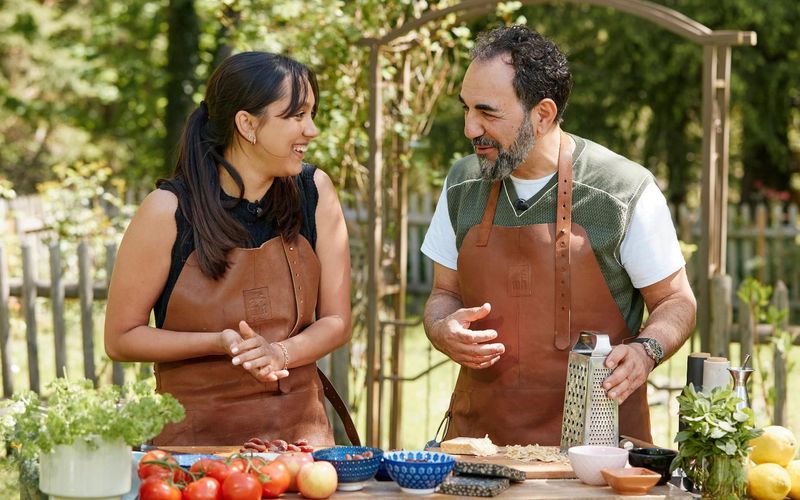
[(211, 468), (156, 488), (241, 486), (275, 478), (246, 464), (238, 465), (205, 488), (146, 470)]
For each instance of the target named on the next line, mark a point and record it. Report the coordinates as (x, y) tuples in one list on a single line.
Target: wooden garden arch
[(716, 131)]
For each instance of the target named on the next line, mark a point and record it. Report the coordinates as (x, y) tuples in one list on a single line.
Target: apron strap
[(562, 246), (291, 253), (485, 228), (340, 407)]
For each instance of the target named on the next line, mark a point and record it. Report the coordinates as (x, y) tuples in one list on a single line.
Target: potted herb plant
[(713, 447), (82, 436)]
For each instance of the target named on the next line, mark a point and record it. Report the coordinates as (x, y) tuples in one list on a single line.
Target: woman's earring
[(253, 139)]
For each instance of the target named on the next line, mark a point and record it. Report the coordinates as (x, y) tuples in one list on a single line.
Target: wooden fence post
[(29, 306), (86, 296), (721, 315), (57, 297), (780, 299), (747, 333), (5, 326)]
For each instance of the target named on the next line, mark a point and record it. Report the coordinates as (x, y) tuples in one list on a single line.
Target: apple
[(294, 461), (317, 480)]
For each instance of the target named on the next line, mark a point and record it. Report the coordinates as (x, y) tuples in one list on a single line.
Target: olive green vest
[(606, 187)]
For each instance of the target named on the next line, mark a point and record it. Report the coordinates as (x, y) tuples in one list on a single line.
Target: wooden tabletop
[(532, 489)]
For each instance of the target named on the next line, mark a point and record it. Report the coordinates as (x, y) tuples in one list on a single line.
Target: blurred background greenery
[(94, 94)]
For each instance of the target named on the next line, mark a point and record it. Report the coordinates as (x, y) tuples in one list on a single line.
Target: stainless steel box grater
[(590, 416)]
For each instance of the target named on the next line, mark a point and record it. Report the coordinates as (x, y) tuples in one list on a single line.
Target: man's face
[(494, 118)]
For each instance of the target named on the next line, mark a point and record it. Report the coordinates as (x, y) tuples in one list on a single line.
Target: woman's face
[(282, 141)]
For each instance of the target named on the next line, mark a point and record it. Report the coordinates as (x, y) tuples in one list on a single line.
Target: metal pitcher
[(590, 416)]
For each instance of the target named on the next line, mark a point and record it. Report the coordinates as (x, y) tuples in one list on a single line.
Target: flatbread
[(536, 453)]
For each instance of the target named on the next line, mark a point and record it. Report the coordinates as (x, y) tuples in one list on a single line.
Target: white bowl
[(588, 461)]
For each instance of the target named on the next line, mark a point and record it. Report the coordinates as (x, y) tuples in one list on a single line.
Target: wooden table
[(532, 489)]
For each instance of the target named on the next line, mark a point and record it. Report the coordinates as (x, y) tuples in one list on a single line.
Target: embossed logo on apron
[(519, 280), (256, 305)]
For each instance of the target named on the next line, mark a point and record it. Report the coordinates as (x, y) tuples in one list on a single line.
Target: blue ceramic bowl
[(352, 473), (418, 472), (382, 474)]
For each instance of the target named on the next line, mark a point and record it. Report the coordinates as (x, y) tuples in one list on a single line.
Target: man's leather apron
[(545, 286), (273, 288)]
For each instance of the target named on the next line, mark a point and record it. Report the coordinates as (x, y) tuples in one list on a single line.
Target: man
[(536, 237)]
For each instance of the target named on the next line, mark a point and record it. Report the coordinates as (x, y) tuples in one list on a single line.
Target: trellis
[(716, 132)]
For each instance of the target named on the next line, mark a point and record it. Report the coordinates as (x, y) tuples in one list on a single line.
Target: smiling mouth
[(300, 149), (483, 149)]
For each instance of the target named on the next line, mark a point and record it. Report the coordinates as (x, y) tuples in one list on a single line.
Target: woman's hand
[(264, 361)]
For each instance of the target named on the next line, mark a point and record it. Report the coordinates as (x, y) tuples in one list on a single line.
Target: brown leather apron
[(273, 288), (545, 286)]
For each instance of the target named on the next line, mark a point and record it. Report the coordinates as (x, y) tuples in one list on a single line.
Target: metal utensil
[(590, 416)]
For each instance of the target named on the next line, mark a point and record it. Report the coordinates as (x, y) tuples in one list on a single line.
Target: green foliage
[(76, 410), (715, 431), (85, 201)]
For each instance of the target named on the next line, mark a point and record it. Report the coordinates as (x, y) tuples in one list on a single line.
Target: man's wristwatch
[(651, 347)]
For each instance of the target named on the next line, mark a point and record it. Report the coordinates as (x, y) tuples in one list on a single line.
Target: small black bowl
[(656, 459)]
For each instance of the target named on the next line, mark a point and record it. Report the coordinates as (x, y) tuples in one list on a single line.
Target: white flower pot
[(79, 471)]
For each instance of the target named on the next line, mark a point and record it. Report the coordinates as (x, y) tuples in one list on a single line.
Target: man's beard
[(507, 159)]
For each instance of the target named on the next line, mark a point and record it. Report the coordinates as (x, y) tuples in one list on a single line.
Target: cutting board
[(533, 470)]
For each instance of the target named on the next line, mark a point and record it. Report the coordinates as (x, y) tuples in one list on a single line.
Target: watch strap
[(651, 347)]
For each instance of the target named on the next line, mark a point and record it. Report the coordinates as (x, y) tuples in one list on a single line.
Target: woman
[(243, 257)]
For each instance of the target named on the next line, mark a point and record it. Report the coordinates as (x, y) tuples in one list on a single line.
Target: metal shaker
[(590, 416)]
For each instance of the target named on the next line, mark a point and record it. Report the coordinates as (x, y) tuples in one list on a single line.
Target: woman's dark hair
[(249, 81), (541, 69)]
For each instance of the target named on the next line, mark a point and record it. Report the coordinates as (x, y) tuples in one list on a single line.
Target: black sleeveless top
[(260, 229)]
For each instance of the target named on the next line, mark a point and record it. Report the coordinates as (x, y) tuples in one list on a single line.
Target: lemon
[(777, 445), (794, 474), (768, 482)]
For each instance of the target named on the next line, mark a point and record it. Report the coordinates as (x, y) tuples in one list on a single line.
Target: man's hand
[(452, 336), (631, 366)]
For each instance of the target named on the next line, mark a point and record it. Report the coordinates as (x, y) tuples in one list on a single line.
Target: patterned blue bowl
[(352, 473), (420, 477)]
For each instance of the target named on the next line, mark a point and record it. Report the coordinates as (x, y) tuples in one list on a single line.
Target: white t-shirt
[(649, 252)]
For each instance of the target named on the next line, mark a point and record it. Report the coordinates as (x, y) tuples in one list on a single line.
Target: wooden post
[(5, 327), (374, 238), (776, 250), (86, 296), (747, 333), (29, 306), (117, 371), (780, 299), (401, 246), (57, 298), (721, 315), (761, 245)]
